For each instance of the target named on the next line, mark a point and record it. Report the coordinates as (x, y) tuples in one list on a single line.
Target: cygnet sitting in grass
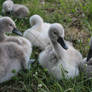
[(61, 59), (14, 51), (7, 6), (38, 33), (17, 10), (42, 2), (86, 67)]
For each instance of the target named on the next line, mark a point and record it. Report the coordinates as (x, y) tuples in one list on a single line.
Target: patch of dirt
[(79, 38), (75, 34)]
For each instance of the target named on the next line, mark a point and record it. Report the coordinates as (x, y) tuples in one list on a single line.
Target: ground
[(75, 16)]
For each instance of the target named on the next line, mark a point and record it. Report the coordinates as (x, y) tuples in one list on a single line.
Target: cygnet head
[(7, 6), (8, 25), (35, 19), (90, 50), (56, 34)]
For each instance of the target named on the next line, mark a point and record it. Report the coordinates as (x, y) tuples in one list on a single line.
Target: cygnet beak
[(89, 54), (17, 32), (62, 43), (8, 12)]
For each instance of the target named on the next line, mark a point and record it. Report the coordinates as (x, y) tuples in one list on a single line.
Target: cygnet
[(38, 33), (14, 51), (61, 59), (17, 10)]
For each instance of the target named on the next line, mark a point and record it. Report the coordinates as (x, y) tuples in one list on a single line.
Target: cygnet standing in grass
[(38, 33), (14, 51), (61, 59), (17, 10)]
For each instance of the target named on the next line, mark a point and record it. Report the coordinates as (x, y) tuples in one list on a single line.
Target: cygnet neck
[(38, 26), (2, 37), (37, 21), (58, 49)]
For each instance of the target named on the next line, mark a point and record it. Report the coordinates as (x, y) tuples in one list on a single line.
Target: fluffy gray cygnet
[(14, 51), (61, 59), (86, 66), (17, 10), (38, 33)]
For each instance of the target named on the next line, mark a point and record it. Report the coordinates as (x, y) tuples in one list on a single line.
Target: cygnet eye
[(10, 25), (55, 33)]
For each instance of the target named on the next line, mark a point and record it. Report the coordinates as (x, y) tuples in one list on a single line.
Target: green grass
[(72, 15)]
